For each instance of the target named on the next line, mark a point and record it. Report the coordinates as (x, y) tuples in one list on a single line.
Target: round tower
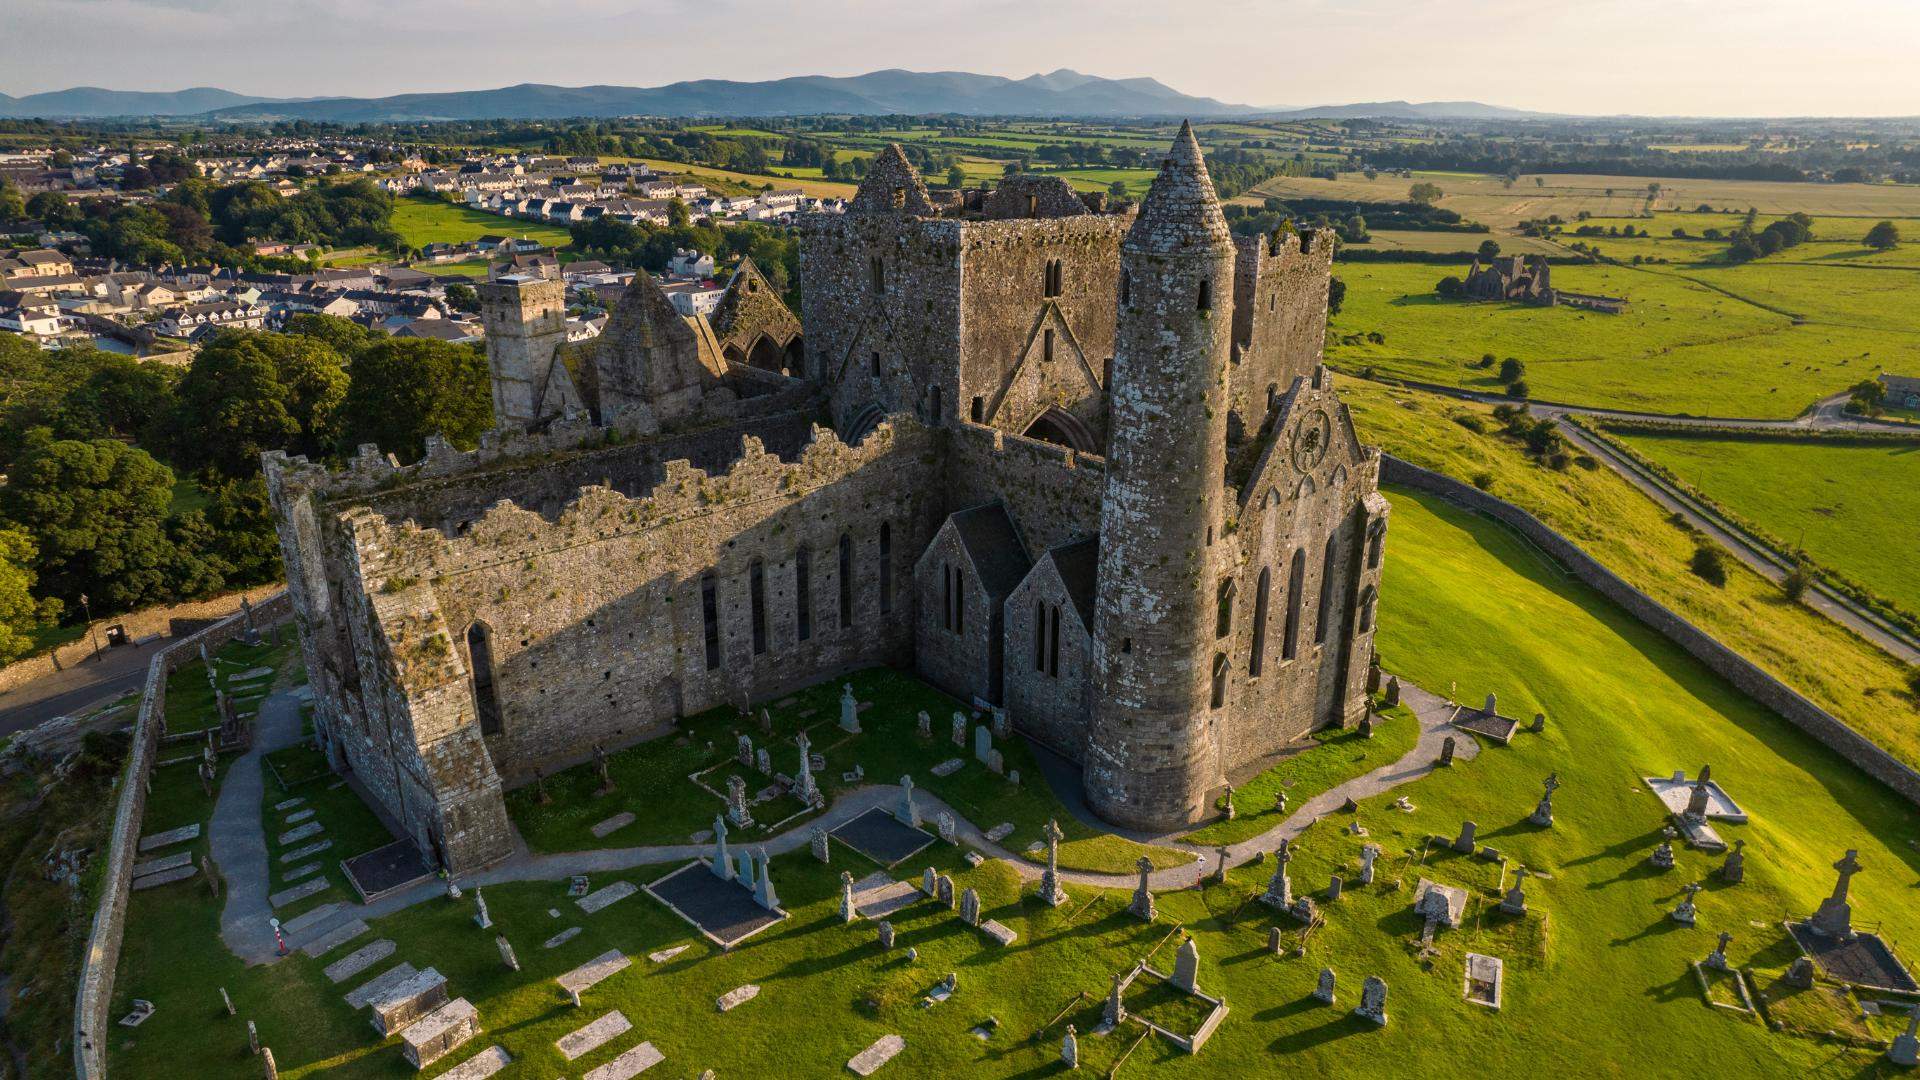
[(1151, 757)]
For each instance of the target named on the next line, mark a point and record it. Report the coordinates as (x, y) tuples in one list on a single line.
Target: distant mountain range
[(1059, 93)]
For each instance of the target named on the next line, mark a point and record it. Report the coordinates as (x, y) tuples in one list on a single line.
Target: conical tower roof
[(1181, 213)]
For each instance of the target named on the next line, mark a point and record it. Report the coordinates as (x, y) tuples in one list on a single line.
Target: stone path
[(239, 840)]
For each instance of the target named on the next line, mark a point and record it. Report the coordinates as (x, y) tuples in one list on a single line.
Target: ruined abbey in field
[(1074, 460)]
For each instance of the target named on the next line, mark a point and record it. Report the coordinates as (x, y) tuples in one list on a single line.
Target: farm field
[(1841, 501), (1463, 601), (1463, 242), (429, 221)]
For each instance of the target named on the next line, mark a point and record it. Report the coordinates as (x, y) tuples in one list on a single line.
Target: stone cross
[(1464, 843), (949, 829), (809, 790), (1368, 853), (849, 710), (764, 895), (1446, 752), (924, 724), (1906, 1048), (1515, 902), (1115, 1013), (959, 729), (908, 813), (743, 751), (1685, 913), (1220, 869), (1279, 889), (600, 766), (1718, 958), (1050, 889), (1835, 917), (817, 840), (1324, 991), (506, 952), (737, 811), (1226, 802), (1373, 1000), (722, 866), (1186, 966), (970, 906), (886, 934), (1734, 870), (1543, 814), (1142, 905), (847, 914), (1070, 1049), (743, 870), (480, 917)]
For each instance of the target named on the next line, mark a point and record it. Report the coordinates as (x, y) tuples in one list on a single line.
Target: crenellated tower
[(1151, 749)]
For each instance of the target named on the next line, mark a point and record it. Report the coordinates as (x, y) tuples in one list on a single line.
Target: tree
[(1709, 564), (1117, 189), (1489, 249), (52, 208), (1794, 585), (20, 613), (678, 216), (956, 176), (345, 336), (1425, 194), (1336, 295), (1883, 236), (1518, 388), (1869, 398), (97, 510), (242, 523), (248, 392), (461, 297), (1511, 369), (401, 391)]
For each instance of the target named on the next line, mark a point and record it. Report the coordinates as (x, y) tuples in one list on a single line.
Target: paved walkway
[(239, 838), (240, 845)]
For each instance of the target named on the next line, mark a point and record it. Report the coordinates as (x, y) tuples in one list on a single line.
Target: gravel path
[(238, 838)]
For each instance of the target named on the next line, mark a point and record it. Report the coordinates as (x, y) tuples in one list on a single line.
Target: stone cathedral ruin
[(1076, 460)]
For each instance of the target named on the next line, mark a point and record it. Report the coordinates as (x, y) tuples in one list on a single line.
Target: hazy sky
[(1699, 57)]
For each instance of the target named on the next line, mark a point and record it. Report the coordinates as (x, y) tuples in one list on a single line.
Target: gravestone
[(1515, 902), (929, 882), (1539, 723), (766, 721), (1333, 887), (924, 724), (743, 751), (1279, 892), (882, 1051), (1734, 870), (1662, 857), (763, 761), (1186, 967), (849, 710), (907, 813), (228, 1001), (1685, 914), (947, 827), (506, 952), (847, 914), (1050, 889), (1393, 690), (737, 811), (1324, 990), (1800, 973), (1697, 803), (1835, 915), (959, 729), (817, 840), (720, 864), (1220, 868), (743, 869), (1273, 940), (480, 917), (996, 762), (1070, 1049), (437, 1034), (1464, 843), (1373, 1000), (737, 997), (1446, 752), (1142, 906), (268, 1069), (982, 743), (970, 906), (1543, 813), (886, 935), (1906, 1048), (1002, 727), (1368, 854), (1115, 1012), (764, 894), (1373, 674), (1718, 958), (943, 891), (1279, 802), (1226, 803), (253, 1037)]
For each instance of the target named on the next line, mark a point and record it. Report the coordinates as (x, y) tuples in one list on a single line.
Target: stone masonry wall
[(1744, 674), (1052, 706), (1052, 493), (1279, 318), (956, 662)]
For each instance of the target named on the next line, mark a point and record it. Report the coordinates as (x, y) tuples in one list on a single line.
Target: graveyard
[(1436, 980)]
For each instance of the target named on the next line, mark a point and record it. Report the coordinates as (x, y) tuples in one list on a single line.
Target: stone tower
[(526, 323), (1151, 753)]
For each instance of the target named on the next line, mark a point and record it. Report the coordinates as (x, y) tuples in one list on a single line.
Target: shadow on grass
[(1348, 1025), (1659, 928), (1305, 1003)]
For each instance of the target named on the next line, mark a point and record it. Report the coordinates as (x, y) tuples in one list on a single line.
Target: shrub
[(1796, 582), (1511, 369), (1559, 460), (1483, 481), (1518, 388), (1586, 462), (1471, 423), (1709, 564)]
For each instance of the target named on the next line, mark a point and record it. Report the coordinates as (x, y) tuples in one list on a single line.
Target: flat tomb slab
[(593, 971), (310, 887), (298, 816), (618, 821), (385, 869), (360, 960), (170, 837), (881, 837), (481, 1065), (602, 898), (1862, 960), (1000, 932), (1491, 725), (724, 911), (877, 895), (164, 862), (867, 1061), (311, 919), (335, 938), (1676, 791), (629, 1064), (166, 877), (288, 804), (299, 872), (408, 1000), (737, 997), (561, 938), (595, 1035), (379, 984), (299, 853), (438, 1033), (299, 832)]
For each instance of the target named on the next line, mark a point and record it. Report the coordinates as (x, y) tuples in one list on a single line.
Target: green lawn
[(1597, 982), (1840, 501), (430, 221), (888, 748), (190, 700)]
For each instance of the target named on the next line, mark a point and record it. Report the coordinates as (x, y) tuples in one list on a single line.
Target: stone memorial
[(1464, 843), (1050, 889), (959, 729), (1002, 727), (737, 811), (1515, 902), (1369, 853), (439, 1033), (1334, 887), (1905, 1049), (408, 1000), (1373, 1000), (929, 882), (1143, 906), (923, 724), (1734, 870), (1186, 967), (847, 913), (1279, 892), (1393, 691), (506, 952), (907, 813), (763, 761), (1835, 915), (480, 916), (867, 1061), (970, 906), (1070, 1049), (817, 841), (943, 891), (764, 894), (1662, 857), (1226, 804), (743, 751), (1274, 940), (849, 710), (947, 827), (1717, 959), (1324, 990), (1543, 813), (886, 935), (585, 1040), (720, 863), (736, 997), (1539, 723), (1800, 973), (1685, 913), (1446, 753), (805, 787)]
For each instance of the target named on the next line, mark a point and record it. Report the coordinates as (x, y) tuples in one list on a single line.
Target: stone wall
[(92, 1023), (957, 661), (1744, 674), (146, 622), (1279, 321), (1048, 697), (1052, 493)]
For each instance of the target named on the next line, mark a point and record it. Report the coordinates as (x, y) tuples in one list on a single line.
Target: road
[(64, 693)]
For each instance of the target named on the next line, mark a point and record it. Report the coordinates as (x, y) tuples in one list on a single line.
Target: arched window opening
[(1206, 295), (710, 619), (486, 696), (757, 596), (886, 568), (878, 267), (1053, 640), (803, 594), (1376, 539), (1223, 621), (1257, 658), (1219, 680), (1296, 583), (1323, 616), (1053, 278), (1046, 345), (1126, 287), (846, 581), (1040, 636), (1366, 609)]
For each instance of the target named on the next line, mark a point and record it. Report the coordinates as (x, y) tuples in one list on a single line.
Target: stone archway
[(861, 423), (1058, 426), (766, 354)]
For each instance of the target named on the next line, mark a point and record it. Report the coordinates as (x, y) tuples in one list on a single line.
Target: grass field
[(429, 221), (1839, 501), (1631, 534), (1463, 600)]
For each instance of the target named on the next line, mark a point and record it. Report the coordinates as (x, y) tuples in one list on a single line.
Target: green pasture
[(429, 221)]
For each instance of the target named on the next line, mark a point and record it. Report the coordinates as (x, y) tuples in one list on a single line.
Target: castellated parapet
[(1067, 458)]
